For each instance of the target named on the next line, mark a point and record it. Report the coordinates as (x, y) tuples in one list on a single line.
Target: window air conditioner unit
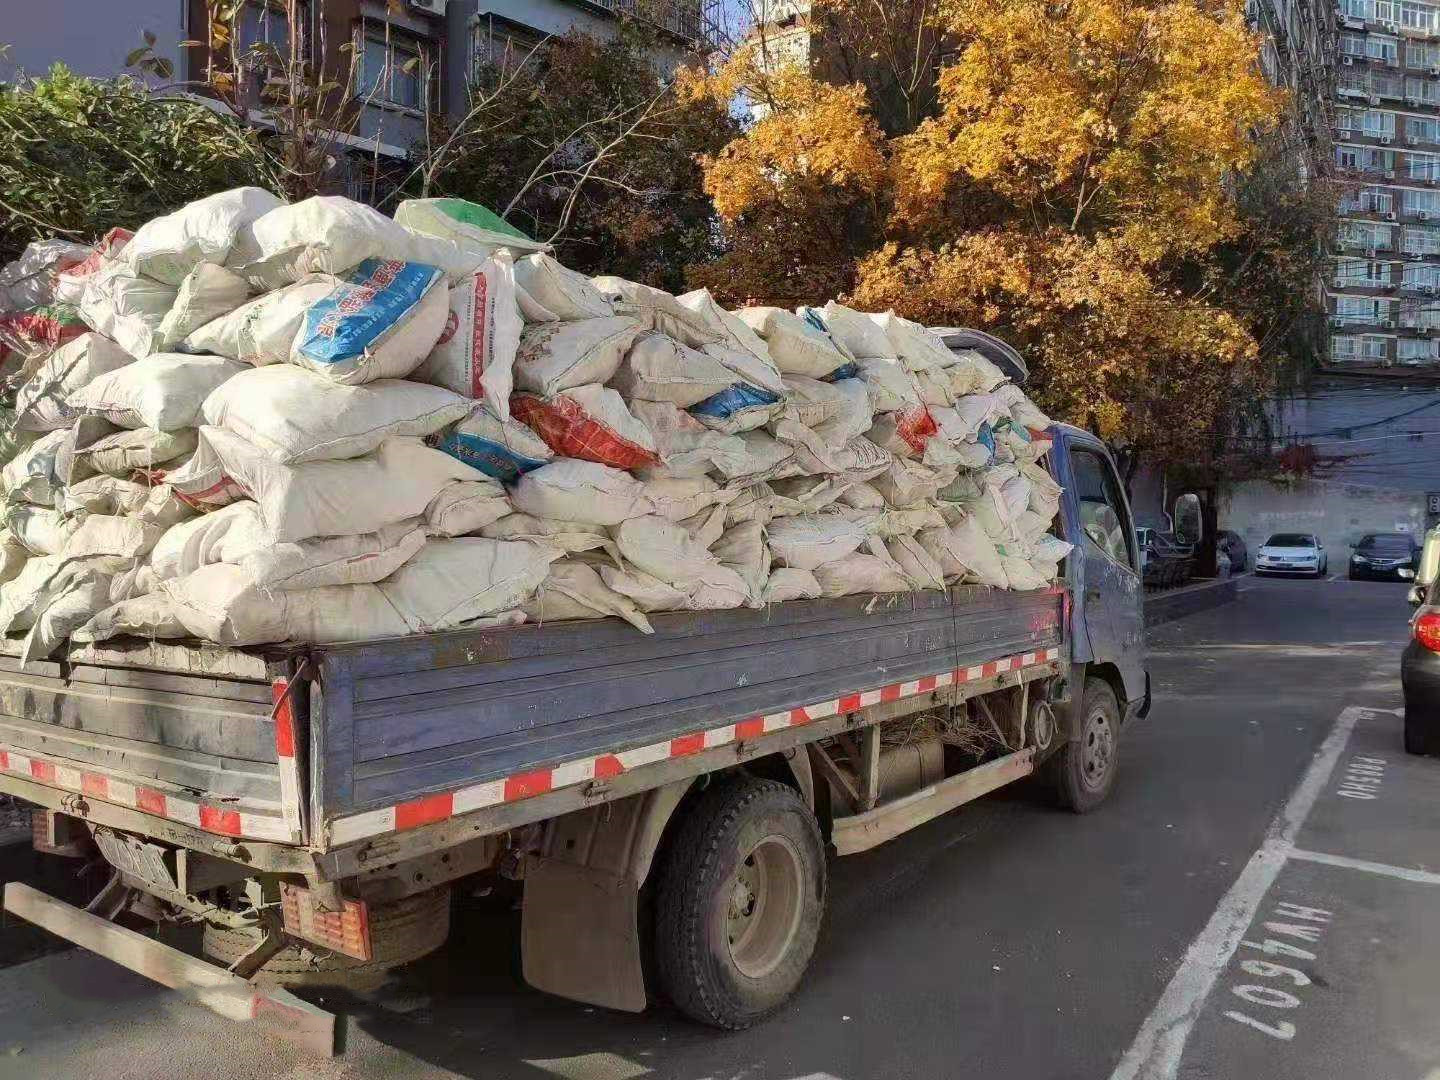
[(1411, 140), (1388, 324), (1423, 215), (1389, 174), (1386, 140), (1435, 70), (1348, 61), (1370, 253), (1412, 101), (429, 7), (1389, 215)]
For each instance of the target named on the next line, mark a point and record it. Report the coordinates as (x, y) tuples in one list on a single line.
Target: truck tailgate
[(181, 732), (400, 720)]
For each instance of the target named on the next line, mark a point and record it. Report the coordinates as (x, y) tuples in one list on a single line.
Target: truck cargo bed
[(397, 722)]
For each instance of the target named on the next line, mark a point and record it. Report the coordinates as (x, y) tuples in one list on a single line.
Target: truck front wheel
[(739, 901), (1083, 770)]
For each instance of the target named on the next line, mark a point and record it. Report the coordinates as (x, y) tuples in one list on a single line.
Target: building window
[(264, 40), (1419, 314), (1352, 44), (1419, 54), (501, 46), (1412, 349), (1421, 240), (1385, 49), (1422, 276), (1421, 166), (391, 72), (1422, 202), (1368, 310), (1426, 90), (1416, 16), (1420, 129)]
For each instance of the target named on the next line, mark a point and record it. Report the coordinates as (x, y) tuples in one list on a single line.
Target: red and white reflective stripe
[(225, 821), (432, 808), (289, 765)]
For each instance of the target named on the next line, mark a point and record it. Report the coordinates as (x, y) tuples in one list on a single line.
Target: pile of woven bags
[(252, 421)]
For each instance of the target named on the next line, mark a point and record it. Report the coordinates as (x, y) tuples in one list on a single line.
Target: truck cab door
[(1111, 596)]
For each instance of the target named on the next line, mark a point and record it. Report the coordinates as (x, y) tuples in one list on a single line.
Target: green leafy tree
[(79, 156)]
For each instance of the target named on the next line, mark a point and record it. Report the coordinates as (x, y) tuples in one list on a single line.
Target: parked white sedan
[(1292, 553)]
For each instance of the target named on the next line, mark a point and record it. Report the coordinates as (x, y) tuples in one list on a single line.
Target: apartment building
[(411, 59), (1383, 296)]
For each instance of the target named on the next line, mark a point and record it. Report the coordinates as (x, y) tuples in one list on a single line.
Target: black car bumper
[(1381, 573), (1420, 680)]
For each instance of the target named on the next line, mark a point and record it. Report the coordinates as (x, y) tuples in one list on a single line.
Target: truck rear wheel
[(399, 933), (1083, 770), (739, 902)]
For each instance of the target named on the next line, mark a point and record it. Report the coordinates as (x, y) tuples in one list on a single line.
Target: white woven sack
[(207, 292), (657, 310), (812, 493), (324, 234), (147, 616), (40, 529), (795, 346), (29, 281), (328, 560), (126, 307), (559, 356), (13, 557), (572, 537), (221, 603), (918, 347), (293, 416), (812, 540), (111, 535), (733, 332), (41, 404), (565, 293), (451, 582), (858, 573), (169, 247), (123, 453), (445, 218), (891, 386), (965, 550), (201, 541), (583, 491), (659, 368), (676, 499), (261, 331), (973, 373), (645, 591), (788, 583), (906, 483), (1022, 410), (686, 446), (742, 548), (70, 282), (860, 334), (34, 474), (575, 590), (500, 448), (318, 498), (466, 506), (921, 569), (379, 321), (163, 391), (86, 593), (475, 354), (666, 551)]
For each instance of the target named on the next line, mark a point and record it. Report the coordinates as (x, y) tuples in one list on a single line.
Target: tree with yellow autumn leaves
[(1062, 173)]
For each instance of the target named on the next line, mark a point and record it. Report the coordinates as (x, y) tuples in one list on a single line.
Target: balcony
[(681, 20)]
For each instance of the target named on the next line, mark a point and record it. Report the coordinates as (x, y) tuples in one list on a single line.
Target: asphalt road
[(1007, 939)]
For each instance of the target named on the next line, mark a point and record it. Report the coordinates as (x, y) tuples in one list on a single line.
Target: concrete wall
[(91, 37), (1401, 453), (1338, 513)]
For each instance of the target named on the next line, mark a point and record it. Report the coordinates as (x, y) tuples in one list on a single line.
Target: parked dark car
[(1384, 556), (1234, 548)]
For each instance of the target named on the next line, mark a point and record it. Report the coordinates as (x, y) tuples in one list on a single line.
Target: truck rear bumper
[(213, 987)]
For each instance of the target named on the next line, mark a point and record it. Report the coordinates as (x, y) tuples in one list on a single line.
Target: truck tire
[(1083, 770), (399, 933), (1419, 737), (739, 901)]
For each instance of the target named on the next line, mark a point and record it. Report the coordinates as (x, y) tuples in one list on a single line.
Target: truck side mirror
[(1189, 528), (1416, 595), (1429, 566)]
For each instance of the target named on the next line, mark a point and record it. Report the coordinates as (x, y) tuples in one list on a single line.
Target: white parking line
[(1155, 1054), (1404, 873)]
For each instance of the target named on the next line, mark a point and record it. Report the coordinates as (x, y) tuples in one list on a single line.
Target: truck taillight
[(1427, 630), (346, 931)]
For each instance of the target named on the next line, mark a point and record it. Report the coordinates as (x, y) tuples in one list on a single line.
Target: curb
[(1189, 599)]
